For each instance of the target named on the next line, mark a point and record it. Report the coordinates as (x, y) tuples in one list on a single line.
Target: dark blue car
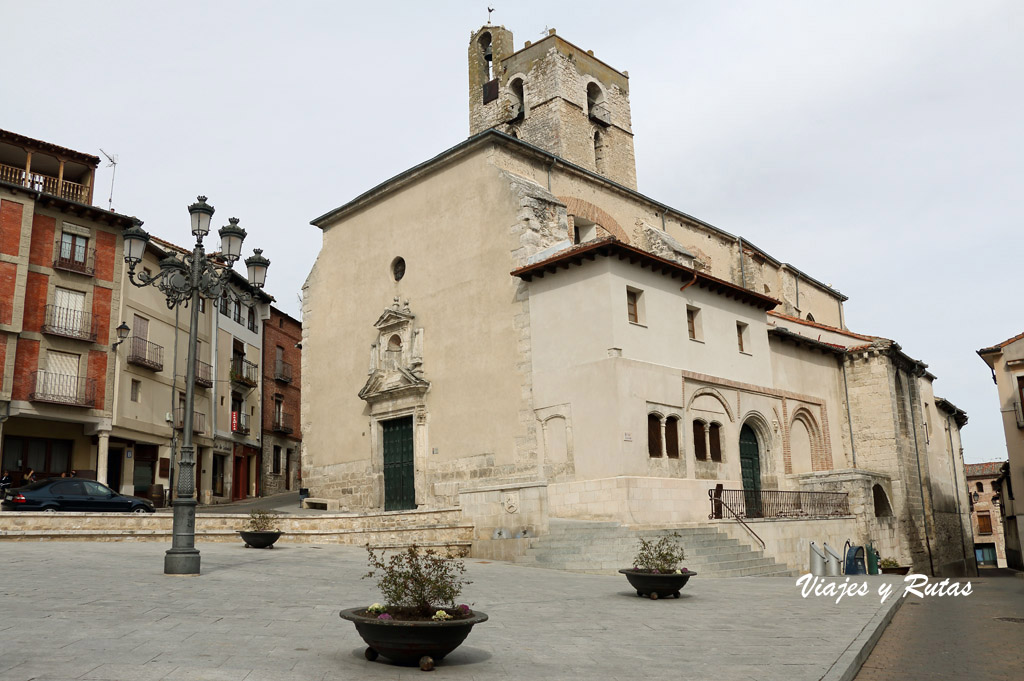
[(72, 494)]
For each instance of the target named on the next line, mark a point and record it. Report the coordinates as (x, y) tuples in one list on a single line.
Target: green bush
[(417, 581), (262, 521), (663, 555)]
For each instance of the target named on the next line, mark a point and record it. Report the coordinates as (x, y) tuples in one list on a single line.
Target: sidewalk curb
[(849, 663)]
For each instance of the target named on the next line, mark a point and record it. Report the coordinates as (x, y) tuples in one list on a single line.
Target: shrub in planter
[(419, 622), (261, 530), (656, 570), (890, 566)]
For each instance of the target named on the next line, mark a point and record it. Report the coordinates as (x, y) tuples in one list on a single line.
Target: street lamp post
[(183, 279)]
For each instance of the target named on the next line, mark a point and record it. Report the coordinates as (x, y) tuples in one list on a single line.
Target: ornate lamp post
[(182, 279)]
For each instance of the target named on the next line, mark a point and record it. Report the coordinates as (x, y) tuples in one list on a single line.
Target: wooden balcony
[(73, 391), (144, 353), (69, 323), (198, 420), (45, 183)]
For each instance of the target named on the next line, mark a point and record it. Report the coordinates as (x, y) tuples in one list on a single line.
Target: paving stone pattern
[(98, 611), (956, 638)]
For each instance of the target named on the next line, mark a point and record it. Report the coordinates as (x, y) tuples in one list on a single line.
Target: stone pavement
[(82, 610), (956, 638)]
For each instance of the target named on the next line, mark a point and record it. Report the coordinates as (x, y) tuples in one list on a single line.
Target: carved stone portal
[(396, 359)]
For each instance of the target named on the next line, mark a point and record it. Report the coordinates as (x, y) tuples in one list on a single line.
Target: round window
[(398, 268)]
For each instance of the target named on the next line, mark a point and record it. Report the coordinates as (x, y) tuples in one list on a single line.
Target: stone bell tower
[(555, 96)]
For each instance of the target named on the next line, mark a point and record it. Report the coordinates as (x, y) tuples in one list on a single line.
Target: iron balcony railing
[(240, 422), (204, 374), (198, 420), (283, 371), (44, 183), (75, 391), (245, 372), (70, 323), (145, 353), (283, 423), (74, 257), (781, 504)]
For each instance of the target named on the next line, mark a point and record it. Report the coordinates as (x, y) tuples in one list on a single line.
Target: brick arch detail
[(588, 211)]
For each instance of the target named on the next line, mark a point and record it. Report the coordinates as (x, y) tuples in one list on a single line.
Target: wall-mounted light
[(122, 334)]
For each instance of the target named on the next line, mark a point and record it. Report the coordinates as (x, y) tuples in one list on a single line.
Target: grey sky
[(877, 146)]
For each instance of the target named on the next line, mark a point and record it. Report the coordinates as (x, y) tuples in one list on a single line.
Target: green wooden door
[(399, 489), (750, 467)]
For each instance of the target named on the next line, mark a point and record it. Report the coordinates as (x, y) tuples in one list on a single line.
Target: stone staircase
[(597, 547)]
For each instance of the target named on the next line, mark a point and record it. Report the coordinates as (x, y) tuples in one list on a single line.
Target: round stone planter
[(901, 570), (259, 540), (657, 585), (411, 643)]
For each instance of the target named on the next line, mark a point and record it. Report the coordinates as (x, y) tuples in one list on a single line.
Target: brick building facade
[(986, 514), (282, 388)]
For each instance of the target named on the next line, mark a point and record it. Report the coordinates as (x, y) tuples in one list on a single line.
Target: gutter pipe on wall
[(849, 414), (956, 492), (920, 475), (743, 269)]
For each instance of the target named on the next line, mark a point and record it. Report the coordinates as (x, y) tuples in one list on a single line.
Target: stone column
[(101, 456)]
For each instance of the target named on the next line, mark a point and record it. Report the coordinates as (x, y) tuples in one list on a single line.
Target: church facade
[(511, 328)]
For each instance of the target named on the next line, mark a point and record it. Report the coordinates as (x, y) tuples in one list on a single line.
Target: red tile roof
[(1000, 346), (825, 327), (989, 469)]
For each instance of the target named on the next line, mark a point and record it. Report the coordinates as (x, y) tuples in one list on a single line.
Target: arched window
[(597, 109), (517, 100), (810, 317), (700, 446), (979, 486), (715, 442), (488, 57), (672, 437), (654, 435), (882, 507)]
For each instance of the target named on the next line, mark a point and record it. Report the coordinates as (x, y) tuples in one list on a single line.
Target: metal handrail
[(145, 353), (718, 500)]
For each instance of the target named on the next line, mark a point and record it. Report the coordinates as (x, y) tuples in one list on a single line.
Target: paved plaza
[(97, 610)]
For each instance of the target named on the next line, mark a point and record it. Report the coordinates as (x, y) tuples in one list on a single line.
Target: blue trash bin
[(855, 563)]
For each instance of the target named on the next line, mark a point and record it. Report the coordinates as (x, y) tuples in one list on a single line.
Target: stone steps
[(600, 547)]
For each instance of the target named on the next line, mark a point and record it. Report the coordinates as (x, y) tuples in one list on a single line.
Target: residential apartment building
[(1006, 361), (61, 266), (282, 387), (233, 472), (986, 515), (149, 378)]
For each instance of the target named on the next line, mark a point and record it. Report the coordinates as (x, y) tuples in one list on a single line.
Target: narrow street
[(977, 637)]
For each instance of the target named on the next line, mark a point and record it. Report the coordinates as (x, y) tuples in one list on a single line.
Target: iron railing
[(245, 372), (240, 422), (283, 371), (204, 374), (283, 423), (75, 391), (198, 420), (774, 504), (717, 504), (74, 257), (70, 323), (145, 353)]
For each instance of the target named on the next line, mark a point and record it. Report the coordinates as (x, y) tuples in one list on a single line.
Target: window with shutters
[(984, 523), (694, 328), (654, 435), (700, 447), (635, 306)]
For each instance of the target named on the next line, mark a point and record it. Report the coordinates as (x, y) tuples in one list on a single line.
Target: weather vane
[(489, 10)]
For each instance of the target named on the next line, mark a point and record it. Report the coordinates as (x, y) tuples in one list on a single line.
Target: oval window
[(398, 268)]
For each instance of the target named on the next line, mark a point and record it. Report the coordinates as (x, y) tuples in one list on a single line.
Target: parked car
[(71, 494)]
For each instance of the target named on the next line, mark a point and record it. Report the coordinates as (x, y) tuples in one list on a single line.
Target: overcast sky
[(877, 146)]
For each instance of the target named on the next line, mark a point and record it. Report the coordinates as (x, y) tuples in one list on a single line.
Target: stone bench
[(323, 504)]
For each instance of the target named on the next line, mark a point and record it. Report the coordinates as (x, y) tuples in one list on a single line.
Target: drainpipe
[(550, 166), (920, 475), (956, 490), (797, 277), (689, 283), (849, 415)]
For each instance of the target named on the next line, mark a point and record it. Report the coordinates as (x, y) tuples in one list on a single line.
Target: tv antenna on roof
[(112, 164)]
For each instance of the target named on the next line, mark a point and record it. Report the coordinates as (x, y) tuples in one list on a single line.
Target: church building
[(513, 329)]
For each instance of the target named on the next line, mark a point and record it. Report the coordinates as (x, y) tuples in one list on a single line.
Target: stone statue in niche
[(396, 359)]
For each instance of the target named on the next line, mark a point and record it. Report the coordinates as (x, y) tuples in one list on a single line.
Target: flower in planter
[(464, 609), (661, 556), (384, 616), (417, 582), (376, 609), (888, 563), (441, 616)]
